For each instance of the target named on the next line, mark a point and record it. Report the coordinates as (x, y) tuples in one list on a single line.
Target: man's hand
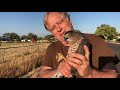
[(81, 63), (65, 69)]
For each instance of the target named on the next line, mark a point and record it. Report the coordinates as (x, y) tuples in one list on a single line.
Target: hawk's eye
[(65, 38)]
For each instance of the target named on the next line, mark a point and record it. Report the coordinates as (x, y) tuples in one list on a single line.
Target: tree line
[(15, 37), (105, 31)]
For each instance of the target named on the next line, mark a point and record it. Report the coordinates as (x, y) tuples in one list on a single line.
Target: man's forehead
[(53, 15), (53, 18)]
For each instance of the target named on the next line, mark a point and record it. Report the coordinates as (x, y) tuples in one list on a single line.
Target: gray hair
[(63, 15)]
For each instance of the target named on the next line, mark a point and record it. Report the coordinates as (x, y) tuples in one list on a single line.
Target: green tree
[(39, 38), (14, 36), (24, 37), (32, 35), (50, 38), (106, 31), (0, 38), (11, 36), (6, 37), (118, 34)]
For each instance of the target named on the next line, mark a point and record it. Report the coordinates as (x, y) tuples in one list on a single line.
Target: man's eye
[(52, 28), (61, 21)]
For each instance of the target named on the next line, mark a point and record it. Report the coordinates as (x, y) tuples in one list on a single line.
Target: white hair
[(62, 14)]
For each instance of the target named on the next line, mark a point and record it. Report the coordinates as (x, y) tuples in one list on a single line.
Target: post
[(22, 53), (15, 56), (27, 51), (3, 54), (38, 48)]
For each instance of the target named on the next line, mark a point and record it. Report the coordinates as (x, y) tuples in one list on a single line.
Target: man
[(58, 23)]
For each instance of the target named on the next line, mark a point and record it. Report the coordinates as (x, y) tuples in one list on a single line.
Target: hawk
[(76, 41)]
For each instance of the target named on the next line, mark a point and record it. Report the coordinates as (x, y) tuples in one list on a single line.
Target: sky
[(23, 23)]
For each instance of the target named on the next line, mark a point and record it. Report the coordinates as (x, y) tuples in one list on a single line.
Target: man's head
[(58, 23)]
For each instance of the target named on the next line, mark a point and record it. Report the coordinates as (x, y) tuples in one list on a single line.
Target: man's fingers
[(74, 65), (79, 56), (76, 61), (65, 69), (87, 52)]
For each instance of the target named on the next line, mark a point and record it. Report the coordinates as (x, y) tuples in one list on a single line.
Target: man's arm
[(46, 72), (104, 74), (63, 69)]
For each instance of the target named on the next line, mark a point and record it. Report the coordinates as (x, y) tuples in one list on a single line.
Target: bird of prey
[(76, 41)]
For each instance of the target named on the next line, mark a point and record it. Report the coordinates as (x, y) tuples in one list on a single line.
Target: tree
[(50, 38), (106, 32), (14, 36), (31, 35), (39, 38), (24, 37), (118, 34), (6, 37), (0, 38), (10, 36)]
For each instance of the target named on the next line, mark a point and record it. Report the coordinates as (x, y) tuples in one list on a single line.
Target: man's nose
[(59, 28)]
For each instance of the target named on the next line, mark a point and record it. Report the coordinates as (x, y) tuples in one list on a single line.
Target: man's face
[(58, 26)]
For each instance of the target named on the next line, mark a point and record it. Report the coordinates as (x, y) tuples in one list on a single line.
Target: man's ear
[(45, 27), (70, 21)]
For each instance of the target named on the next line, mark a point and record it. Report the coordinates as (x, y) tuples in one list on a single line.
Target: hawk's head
[(72, 36)]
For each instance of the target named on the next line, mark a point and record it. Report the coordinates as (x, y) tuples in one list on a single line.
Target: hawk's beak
[(69, 40)]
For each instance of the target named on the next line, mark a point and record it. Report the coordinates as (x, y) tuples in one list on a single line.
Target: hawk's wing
[(78, 47)]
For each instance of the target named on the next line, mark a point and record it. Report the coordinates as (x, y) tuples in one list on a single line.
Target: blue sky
[(23, 23)]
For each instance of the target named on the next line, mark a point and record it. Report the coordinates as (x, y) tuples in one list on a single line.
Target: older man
[(58, 23)]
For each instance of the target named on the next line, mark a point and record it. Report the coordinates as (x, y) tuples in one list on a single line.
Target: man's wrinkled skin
[(58, 26)]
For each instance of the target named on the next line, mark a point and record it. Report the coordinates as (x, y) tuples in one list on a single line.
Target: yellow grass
[(17, 63)]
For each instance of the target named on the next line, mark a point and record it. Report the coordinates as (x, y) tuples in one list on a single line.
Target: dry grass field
[(23, 60), (20, 59)]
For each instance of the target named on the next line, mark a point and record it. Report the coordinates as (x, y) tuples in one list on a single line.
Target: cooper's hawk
[(76, 41)]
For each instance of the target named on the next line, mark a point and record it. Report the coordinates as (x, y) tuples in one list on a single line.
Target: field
[(23, 60), (18, 59)]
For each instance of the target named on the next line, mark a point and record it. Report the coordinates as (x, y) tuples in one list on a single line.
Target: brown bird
[(76, 41)]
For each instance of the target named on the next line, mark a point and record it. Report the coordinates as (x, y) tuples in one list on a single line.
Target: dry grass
[(16, 64)]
